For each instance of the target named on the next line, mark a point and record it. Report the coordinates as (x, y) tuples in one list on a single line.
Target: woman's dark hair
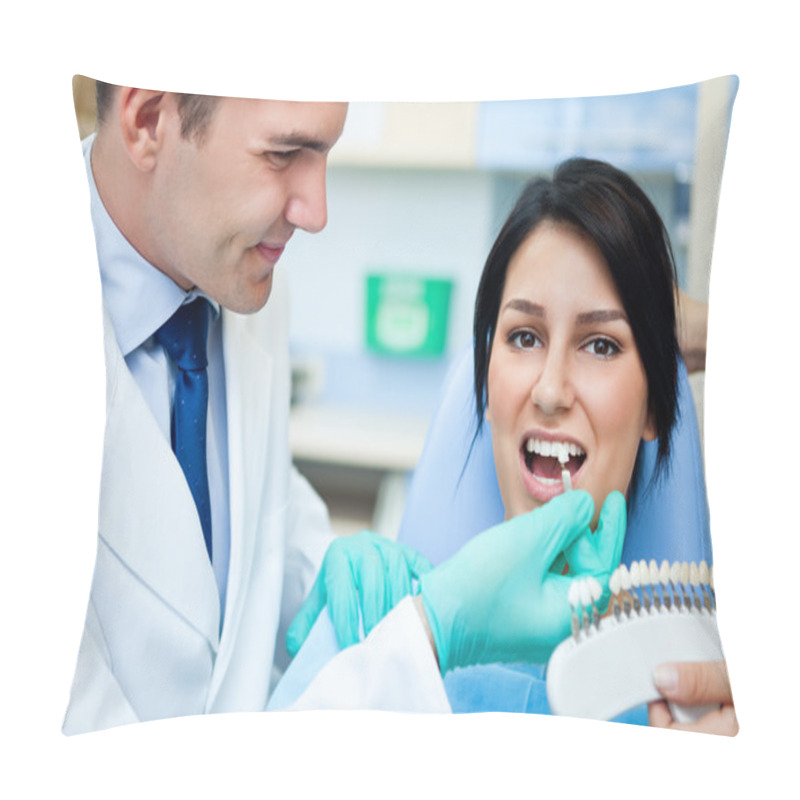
[(606, 205)]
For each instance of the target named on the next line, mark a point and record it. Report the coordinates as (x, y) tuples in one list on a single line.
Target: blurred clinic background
[(382, 298)]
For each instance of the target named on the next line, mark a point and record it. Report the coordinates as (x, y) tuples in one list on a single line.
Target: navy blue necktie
[(183, 336)]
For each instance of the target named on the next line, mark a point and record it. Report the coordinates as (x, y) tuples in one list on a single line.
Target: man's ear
[(144, 116)]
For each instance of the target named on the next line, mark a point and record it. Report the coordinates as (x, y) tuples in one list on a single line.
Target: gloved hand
[(365, 572), (599, 554), (497, 600)]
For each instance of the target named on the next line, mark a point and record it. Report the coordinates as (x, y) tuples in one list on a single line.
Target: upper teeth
[(560, 450)]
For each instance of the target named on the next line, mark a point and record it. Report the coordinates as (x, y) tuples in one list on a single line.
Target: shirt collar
[(139, 297)]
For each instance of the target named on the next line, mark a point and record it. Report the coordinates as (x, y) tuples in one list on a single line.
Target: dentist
[(208, 540)]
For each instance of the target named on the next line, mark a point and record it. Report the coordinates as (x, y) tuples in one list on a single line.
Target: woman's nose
[(552, 390)]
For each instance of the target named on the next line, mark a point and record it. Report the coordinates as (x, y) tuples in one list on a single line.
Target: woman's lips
[(546, 453)]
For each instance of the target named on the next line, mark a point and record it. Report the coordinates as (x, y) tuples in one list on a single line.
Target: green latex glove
[(498, 599), (599, 554), (364, 574)]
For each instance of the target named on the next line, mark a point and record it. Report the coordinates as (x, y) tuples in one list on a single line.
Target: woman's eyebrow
[(525, 306), (601, 315)]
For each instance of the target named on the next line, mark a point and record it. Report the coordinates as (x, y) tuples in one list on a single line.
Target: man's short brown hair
[(195, 110)]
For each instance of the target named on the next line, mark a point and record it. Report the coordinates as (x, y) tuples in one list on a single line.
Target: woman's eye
[(525, 340), (603, 348)]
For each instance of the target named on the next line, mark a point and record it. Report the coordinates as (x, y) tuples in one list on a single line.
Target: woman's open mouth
[(545, 460)]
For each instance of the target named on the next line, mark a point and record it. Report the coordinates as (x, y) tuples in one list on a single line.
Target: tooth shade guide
[(573, 595), (654, 581), (675, 579), (667, 585), (636, 582), (624, 577), (625, 582), (587, 597), (644, 579), (614, 586), (711, 586), (607, 668), (663, 577)]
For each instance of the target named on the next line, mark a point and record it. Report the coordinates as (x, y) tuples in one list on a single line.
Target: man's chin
[(251, 300)]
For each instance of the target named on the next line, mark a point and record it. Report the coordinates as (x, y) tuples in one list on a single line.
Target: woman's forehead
[(556, 266)]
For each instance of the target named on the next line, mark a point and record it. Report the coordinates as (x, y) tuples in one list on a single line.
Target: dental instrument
[(606, 666), (563, 457)]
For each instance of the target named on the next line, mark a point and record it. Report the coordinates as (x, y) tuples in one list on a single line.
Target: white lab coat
[(151, 647)]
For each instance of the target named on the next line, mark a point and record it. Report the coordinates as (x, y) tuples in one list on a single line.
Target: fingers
[(305, 618), (397, 581), (342, 596), (386, 577), (722, 722), (658, 715), (417, 563), (694, 683), (370, 580), (559, 523), (362, 578)]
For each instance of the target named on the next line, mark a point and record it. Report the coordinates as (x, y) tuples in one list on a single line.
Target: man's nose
[(306, 206)]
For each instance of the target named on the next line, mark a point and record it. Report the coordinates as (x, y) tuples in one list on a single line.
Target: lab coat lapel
[(248, 374), (147, 514)]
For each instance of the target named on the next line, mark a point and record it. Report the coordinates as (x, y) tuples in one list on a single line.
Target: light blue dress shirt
[(139, 299)]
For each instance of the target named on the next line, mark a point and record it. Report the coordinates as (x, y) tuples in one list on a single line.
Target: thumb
[(417, 563), (559, 523), (610, 534), (694, 683), (599, 553)]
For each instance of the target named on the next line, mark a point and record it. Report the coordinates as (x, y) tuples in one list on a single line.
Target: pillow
[(155, 646)]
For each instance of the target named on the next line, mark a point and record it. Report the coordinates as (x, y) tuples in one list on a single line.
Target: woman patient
[(575, 359), (575, 363), (575, 366)]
